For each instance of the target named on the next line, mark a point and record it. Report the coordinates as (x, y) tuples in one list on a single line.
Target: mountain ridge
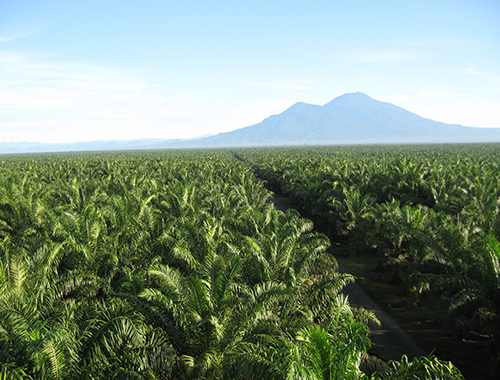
[(352, 118)]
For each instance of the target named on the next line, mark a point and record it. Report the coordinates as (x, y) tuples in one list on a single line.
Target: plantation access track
[(390, 339)]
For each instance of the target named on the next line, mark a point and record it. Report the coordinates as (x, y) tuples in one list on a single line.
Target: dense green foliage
[(164, 265), (430, 213)]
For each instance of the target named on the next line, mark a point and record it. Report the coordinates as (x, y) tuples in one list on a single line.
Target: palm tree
[(117, 343), (355, 212), (314, 352), (213, 312)]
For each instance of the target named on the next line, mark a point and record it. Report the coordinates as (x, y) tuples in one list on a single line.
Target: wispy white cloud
[(4, 39), (470, 71), (481, 74), (15, 36), (32, 81)]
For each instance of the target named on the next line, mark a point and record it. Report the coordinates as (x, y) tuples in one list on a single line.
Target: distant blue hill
[(35, 147), (348, 119), (99, 145)]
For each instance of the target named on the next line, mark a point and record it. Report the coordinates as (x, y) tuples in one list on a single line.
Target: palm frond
[(429, 368)]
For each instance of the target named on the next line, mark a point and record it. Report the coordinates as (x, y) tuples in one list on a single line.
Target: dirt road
[(391, 341)]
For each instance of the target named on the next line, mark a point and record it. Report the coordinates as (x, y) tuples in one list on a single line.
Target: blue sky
[(87, 70)]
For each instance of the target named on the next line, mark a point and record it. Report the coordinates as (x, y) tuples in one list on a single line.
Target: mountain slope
[(348, 119)]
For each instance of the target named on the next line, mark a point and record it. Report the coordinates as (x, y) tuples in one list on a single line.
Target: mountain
[(348, 119)]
